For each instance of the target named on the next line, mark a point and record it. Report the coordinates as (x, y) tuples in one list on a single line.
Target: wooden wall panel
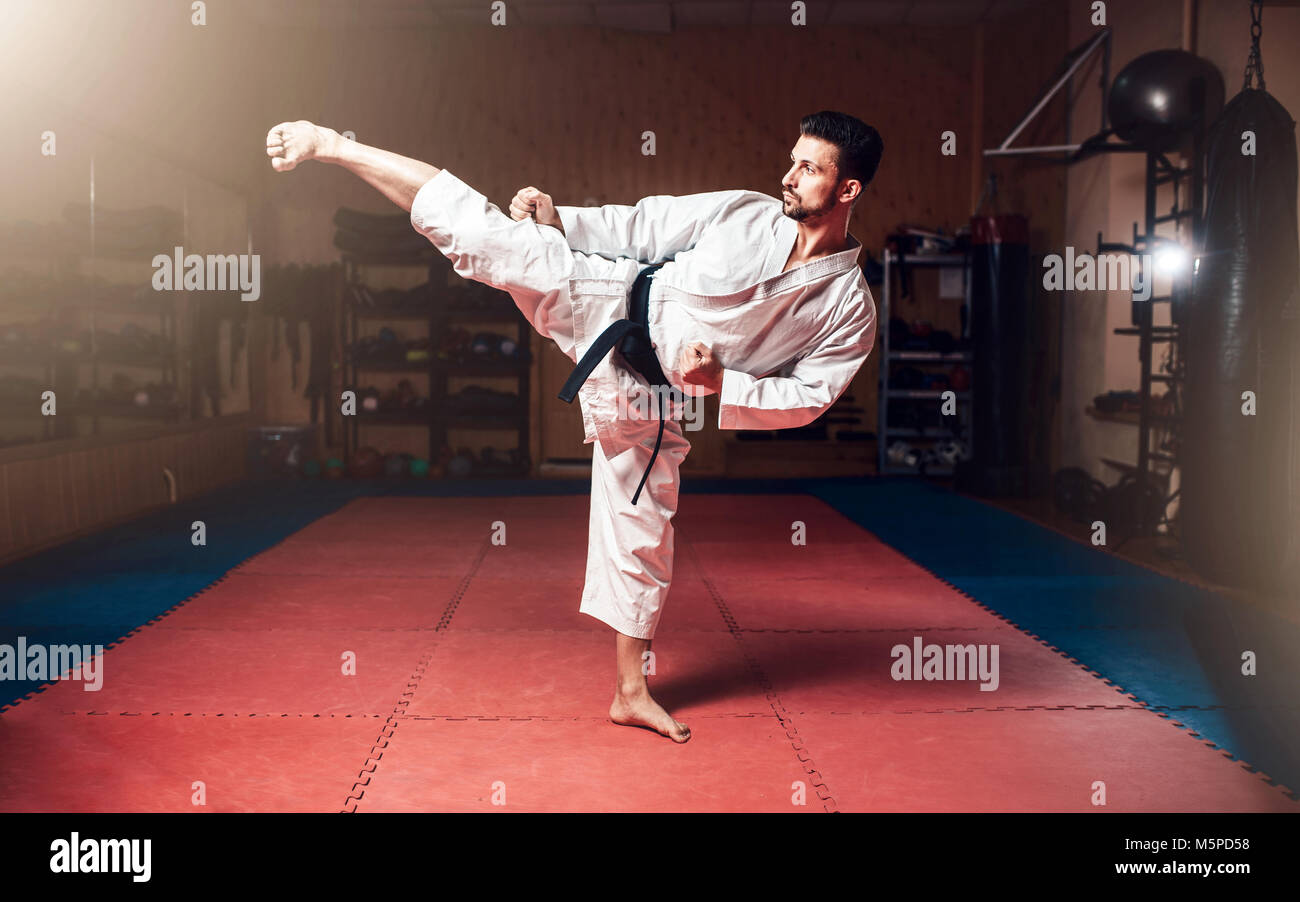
[(49, 494)]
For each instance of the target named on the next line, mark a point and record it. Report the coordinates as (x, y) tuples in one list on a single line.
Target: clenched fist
[(531, 202), (291, 143), (698, 366)]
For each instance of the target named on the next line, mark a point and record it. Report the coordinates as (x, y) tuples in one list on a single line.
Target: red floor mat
[(817, 603), (570, 674), (261, 601), (475, 670), (854, 672), (114, 763), (1036, 760), (243, 672), (586, 764)]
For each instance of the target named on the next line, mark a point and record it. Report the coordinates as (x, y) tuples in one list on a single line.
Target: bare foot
[(638, 709), (291, 143)]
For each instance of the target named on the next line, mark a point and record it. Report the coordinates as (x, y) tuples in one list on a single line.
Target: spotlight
[(1172, 259)]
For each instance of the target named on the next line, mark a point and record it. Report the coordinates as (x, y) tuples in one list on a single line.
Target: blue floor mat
[(1171, 644)]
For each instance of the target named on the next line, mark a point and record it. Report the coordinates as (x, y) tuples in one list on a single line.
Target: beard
[(795, 209)]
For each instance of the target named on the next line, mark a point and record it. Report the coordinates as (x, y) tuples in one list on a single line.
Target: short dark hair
[(859, 144)]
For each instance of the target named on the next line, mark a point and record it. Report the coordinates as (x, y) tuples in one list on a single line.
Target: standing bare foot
[(637, 709), (291, 143)]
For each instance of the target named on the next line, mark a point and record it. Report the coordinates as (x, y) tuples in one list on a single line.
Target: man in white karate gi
[(759, 300)]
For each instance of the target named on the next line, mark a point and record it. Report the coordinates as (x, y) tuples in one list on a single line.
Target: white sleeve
[(815, 382), (655, 229)]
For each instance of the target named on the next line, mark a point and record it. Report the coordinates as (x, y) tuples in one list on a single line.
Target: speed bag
[(1240, 506)]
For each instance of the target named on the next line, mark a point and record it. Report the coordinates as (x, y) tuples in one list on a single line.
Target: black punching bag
[(1240, 504), (999, 293)]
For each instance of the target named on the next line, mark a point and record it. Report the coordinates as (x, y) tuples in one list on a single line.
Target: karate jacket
[(789, 343)]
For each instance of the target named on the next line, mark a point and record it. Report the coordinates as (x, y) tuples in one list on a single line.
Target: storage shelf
[(371, 313), (926, 393), (485, 420), (890, 356), (442, 313), (469, 312), (76, 340), (482, 367), (933, 356), (395, 417), (931, 434), (419, 366)]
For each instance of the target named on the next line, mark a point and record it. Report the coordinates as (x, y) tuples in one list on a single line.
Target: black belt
[(632, 335)]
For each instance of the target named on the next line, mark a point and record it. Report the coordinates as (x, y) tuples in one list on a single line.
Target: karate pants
[(630, 547)]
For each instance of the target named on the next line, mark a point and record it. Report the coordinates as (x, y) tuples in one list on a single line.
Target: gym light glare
[(1172, 259)]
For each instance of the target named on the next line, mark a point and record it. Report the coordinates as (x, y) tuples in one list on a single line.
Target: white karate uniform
[(789, 343)]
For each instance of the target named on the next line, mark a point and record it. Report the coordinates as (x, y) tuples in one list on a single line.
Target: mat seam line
[(783, 716), (398, 714)]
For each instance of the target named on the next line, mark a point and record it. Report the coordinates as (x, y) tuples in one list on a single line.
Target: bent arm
[(813, 385)]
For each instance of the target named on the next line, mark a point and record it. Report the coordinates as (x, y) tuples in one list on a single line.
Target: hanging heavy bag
[(1239, 504), (999, 303)]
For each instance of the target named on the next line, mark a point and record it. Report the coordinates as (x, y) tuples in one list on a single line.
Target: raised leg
[(531, 263)]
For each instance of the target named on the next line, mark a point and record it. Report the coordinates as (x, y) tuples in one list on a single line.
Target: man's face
[(810, 186)]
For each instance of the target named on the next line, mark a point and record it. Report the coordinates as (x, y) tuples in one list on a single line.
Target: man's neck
[(812, 242)]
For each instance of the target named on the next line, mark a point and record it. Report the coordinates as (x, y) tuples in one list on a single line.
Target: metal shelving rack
[(441, 416), (353, 314), (890, 356), (448, 415), (165, 364)]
